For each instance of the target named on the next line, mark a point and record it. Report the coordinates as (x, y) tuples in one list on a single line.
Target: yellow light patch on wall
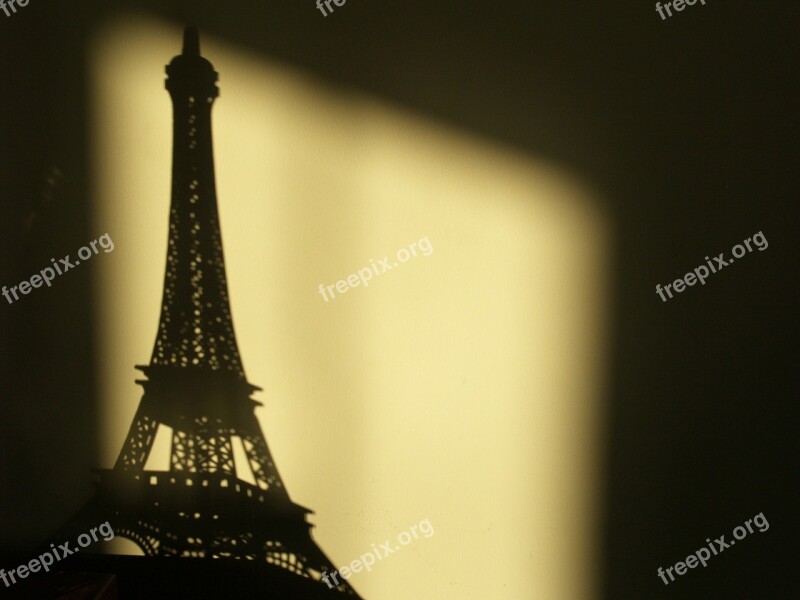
[(462, 387)]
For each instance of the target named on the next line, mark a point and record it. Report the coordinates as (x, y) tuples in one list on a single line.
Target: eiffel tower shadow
[(203, 530)]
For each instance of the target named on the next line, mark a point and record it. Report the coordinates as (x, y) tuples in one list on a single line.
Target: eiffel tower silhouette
[(196, 388)]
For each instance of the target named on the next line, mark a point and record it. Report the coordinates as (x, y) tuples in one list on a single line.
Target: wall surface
[(524, 386)]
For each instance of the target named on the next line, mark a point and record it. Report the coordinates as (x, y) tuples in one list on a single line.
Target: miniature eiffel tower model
[(195, 386)]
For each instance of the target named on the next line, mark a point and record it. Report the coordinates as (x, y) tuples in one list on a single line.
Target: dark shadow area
[(688, 127), (136, 577)]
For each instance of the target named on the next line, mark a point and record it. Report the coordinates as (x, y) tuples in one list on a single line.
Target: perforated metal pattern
[(196, 327)]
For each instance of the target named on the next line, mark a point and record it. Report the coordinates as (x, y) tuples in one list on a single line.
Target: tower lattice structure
[(195, 387)]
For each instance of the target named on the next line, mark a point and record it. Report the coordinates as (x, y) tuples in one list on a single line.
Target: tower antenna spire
[(191, 42)]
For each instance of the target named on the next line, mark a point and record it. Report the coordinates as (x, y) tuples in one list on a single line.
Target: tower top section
[(189, 74), (196, 328)]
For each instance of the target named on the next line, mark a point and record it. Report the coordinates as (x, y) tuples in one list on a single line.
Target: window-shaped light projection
[(462, 388)]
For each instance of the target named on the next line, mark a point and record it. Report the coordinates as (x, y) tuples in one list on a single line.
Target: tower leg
[(139, 441)]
